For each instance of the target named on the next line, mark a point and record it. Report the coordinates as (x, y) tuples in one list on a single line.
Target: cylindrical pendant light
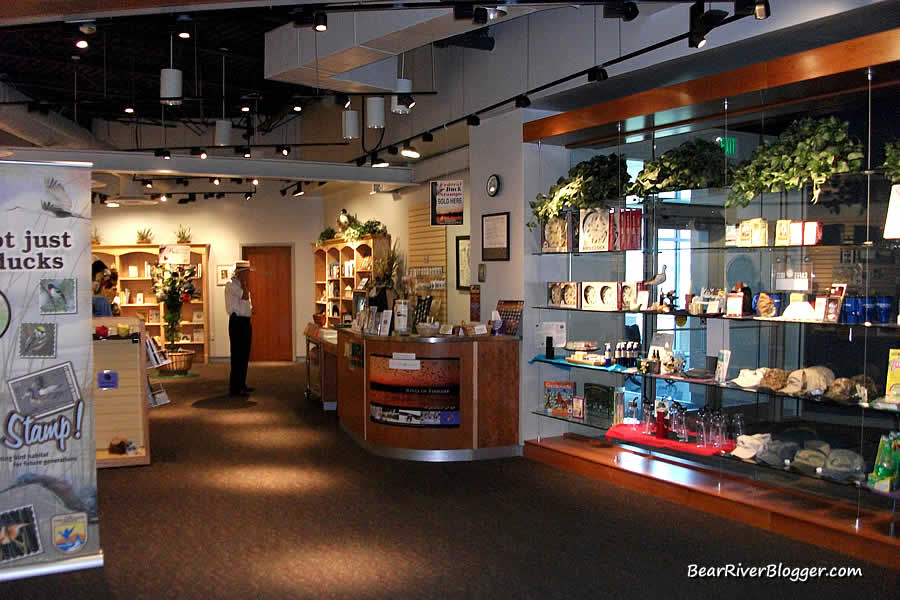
[(404, 86), (223, 132), (350, 124), (170, 86), (375, 112)]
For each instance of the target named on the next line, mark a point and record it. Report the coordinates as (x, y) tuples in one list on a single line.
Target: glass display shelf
[(879, 405), (594, 422), (683, 313), (880, 245)]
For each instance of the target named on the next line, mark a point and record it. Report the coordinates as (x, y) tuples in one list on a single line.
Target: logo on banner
[(69, 532)]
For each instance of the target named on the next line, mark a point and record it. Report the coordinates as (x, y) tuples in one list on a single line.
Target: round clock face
[(595, 230), (555, 233), (493, 185)]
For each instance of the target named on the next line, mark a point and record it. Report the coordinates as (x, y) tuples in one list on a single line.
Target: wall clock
[(493, 185)]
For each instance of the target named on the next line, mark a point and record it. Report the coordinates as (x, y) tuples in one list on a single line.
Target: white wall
[(226, 224), (393, 211)]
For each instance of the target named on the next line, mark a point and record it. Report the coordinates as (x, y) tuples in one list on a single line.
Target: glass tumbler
[(702, 430), (737, 426), (648, 417)]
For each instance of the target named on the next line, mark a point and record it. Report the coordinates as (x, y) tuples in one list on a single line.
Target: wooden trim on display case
[(828, 60)]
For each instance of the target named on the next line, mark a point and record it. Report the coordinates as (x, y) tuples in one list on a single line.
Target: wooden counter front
[(487, 396)]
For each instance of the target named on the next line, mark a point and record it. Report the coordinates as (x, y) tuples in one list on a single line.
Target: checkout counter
[(427, 398)]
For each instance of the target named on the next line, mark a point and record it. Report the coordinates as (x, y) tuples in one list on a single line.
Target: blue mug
[(868, 309), (883, 309), (755, 301), (851, 313)]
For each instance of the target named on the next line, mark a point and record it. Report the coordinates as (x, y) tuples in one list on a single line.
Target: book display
[(342, 269), (752, 333), (135, 297)]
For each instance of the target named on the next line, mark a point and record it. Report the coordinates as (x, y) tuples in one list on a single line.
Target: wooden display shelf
[(135, 279), (105, 459), (825, 522), (342, 251), (130, 305)]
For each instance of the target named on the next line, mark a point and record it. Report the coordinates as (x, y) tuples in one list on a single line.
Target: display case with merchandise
[(794, 291)]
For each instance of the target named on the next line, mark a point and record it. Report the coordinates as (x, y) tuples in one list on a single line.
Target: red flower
[(185, 297)]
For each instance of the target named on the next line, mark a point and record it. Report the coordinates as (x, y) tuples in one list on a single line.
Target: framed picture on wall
[(463, 272), (495, 236), (223, 274)]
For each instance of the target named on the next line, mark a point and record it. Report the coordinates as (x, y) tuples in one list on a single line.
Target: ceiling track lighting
[(760, 9), (496, 12), (480, 15), (129, 110), (320, 22), (376, 189), (410, 151), (379, 163), (147, 183), (627, 11), (523, 101), (255, 181), (112, 204), (473, 121), (215, 180), (248, 196), (163, 153), (402, 102), (182, 23), (299, 190), (702, 22), (375, 112), (597, 74), (199, 152), (81, 44), (297, 108), (393, 150), (428, 137), (350, 124), (283, 150), (342, 100), (243, 151)]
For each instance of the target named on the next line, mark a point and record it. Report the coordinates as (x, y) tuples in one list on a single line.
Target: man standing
[(239, 308)]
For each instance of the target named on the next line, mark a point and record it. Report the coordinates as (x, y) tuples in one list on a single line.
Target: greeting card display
[(558, 234), (563, 294), (600, 295), (783, 232), (595, 234), (558, 397)]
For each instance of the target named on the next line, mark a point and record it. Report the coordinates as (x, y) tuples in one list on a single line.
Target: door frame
[(292, 246)]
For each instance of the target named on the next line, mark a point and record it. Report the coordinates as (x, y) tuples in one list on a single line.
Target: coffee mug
[(868, 309), (851, 314), (883, 309)]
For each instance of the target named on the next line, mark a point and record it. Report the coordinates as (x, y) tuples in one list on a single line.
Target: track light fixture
[(147, 183), (81, 44), (243, 150), (410, 151), (182, 23), (393, 150), (376, 189), (597, 74), (283, 150), (473, 121), (320, 22), (220, 195), (360, 161), (298, 191), (342, 100), (163, 153), (129, 110), (163, 198), (379, 163), (627, 11), (199, 152), (112, 204), (248, 195), (182, 181), (215, 180), (406, 100), (523, 101), (702, 22), (428, 137), (760, 9), (245, 108), (255, 181), (480, 15)]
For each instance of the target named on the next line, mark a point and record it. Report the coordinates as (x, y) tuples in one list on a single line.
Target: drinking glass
[(648, 417), (737, 426), (702, 429), (718, 430)]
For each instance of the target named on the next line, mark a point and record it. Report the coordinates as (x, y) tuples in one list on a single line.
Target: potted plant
[(183, 234), (173, 286), (589, 185), (382, 287), (328, 233), (145, 236), (357, 230), (891, 164), (695, 164), (808, 150)]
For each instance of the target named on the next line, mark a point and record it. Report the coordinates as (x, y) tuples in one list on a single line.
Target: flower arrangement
[(173, 286)]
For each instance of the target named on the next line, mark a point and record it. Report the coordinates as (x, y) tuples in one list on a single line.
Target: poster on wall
[(48, 481), (447, 201)]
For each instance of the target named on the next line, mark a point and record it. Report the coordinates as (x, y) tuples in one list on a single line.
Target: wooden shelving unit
[(339, 265), (141, 255)]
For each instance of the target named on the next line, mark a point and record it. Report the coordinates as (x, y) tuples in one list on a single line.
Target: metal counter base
[(435, 455)]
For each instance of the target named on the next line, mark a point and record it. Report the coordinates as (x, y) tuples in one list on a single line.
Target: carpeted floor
[(267, 498)]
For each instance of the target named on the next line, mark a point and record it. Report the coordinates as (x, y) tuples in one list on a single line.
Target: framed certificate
[(495, 236)]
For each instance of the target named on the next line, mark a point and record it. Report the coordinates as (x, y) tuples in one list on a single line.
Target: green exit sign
[(729, 144)]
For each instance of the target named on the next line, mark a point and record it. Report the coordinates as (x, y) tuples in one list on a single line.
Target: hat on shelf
[(749, 377), (808, 461), (812, 380), (749, 446), (820, 445), (774, 379), (842, 390), (844, 465), (777, 453)]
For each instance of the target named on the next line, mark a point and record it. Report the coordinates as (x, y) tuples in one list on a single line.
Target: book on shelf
[(132, 271), (599, 400), (197, 316), (153, 315), (198, 335)]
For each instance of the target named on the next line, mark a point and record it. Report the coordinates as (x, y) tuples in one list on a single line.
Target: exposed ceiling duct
[(45, 129), (337, 59)]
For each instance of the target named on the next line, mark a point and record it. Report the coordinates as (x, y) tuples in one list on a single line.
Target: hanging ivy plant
[(357, 230), (589, 184), (695, 164), (808, 150), (892, 161)]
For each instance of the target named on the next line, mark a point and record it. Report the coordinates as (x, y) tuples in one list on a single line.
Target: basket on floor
[(180, 362)]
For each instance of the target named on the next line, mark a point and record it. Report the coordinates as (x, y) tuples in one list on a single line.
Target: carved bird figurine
[(343, 220), (658, 278)]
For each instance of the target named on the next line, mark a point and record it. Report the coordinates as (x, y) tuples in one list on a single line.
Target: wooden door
[(271, 283)]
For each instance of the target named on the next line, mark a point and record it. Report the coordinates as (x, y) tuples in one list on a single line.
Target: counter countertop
[(435, 339)]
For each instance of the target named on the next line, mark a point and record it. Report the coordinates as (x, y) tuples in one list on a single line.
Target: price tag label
[(405, 365)]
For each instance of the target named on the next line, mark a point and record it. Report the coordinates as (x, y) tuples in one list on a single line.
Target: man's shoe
[(238, 394), (248, 390)]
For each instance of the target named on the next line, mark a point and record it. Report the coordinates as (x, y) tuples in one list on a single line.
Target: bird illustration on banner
[(84, 500)]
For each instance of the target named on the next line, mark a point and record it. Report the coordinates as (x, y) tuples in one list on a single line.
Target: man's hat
[(242, 265)]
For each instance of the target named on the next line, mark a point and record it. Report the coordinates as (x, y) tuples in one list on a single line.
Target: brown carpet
[(267, 498)]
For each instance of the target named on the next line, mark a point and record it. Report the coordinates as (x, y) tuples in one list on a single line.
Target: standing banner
[(447, 202), (48, 477)]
